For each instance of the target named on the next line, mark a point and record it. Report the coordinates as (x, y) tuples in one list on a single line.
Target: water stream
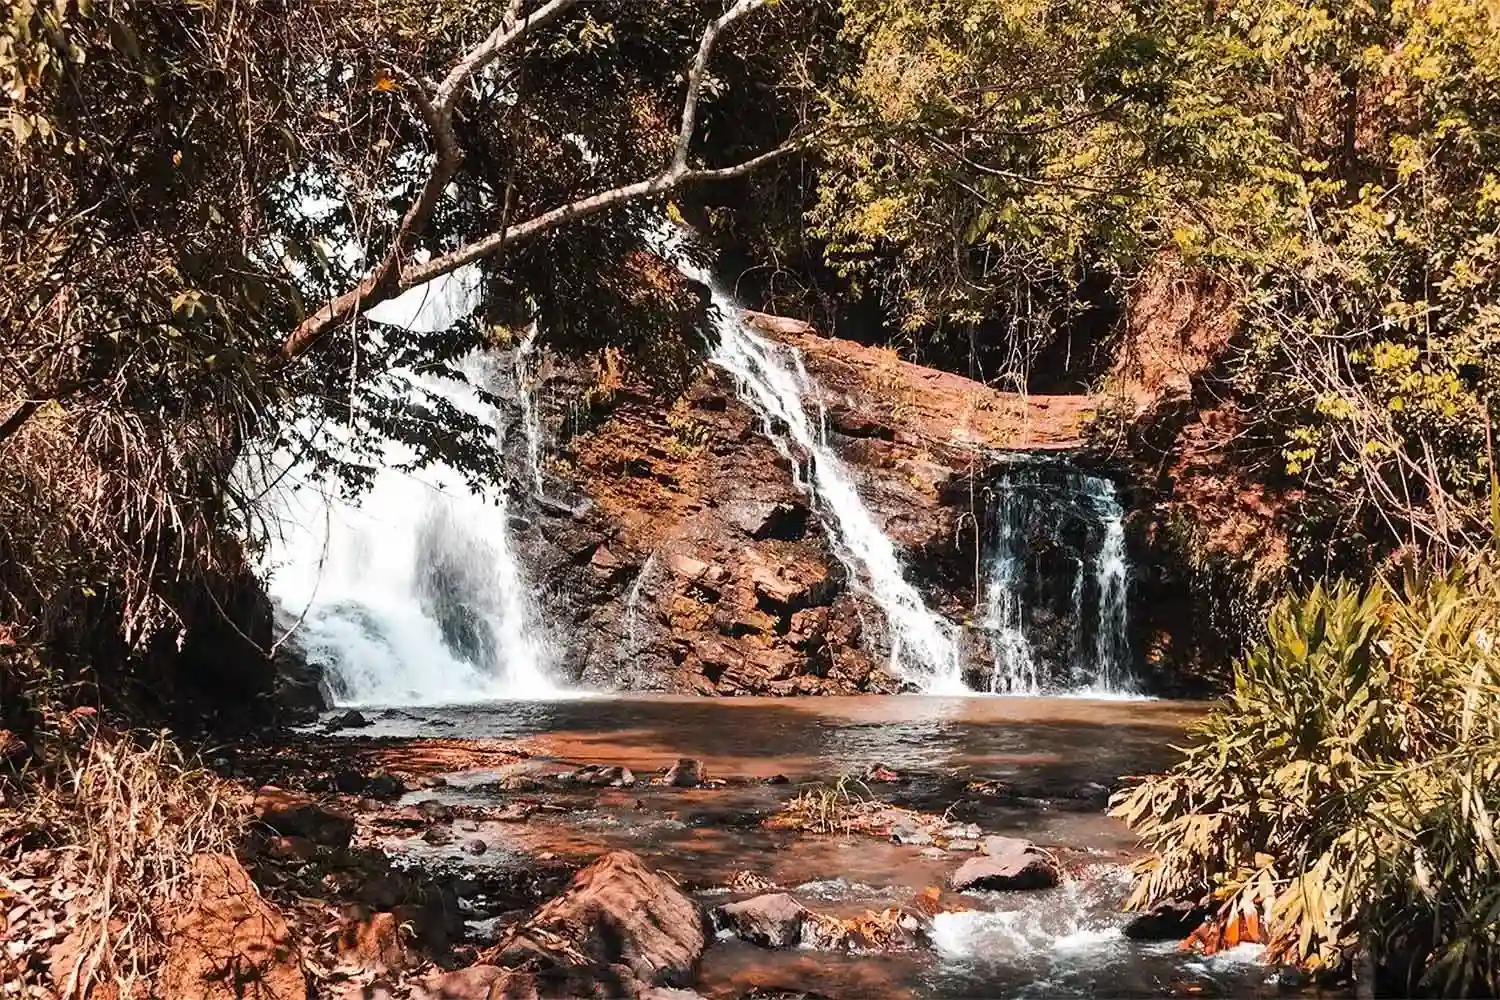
[(772, 380)]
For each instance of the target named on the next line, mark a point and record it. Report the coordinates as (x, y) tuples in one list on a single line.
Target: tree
[(184, 183)]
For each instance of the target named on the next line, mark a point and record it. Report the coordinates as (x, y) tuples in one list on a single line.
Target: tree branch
[(390, 278)]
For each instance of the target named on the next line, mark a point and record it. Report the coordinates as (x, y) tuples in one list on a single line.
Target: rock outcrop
[(675, 550)]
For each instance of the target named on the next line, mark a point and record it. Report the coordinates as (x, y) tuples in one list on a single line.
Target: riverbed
[(1038, 768)]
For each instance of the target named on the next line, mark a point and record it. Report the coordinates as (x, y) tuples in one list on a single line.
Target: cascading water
[(1055, 600), (771, 378), (414, 593)]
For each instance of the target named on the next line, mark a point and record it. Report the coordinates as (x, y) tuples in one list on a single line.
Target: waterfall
[(413, 593), (1111, 636), (773, 381), (1054, 606), (1016, 670)]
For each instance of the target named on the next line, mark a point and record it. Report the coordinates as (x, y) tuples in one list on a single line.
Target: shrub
[(1343, 801)]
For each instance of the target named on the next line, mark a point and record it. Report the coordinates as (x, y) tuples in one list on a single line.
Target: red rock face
[(676, 552)]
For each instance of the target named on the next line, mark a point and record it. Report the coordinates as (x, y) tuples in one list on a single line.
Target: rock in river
[(617, 930), (773, 920), (1008, 863)]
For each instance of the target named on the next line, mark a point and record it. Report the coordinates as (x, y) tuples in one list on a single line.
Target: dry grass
[(121, 816)]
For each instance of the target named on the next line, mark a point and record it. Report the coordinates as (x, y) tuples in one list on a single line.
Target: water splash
[(413, 594), (773, 380)]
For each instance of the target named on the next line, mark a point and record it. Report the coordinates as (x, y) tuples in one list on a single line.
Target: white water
[(1111, 635), (772, 379), (1047, 499), (413, 594), (1015, 670)]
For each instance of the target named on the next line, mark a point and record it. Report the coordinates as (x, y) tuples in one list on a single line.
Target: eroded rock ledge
[(674, 551)]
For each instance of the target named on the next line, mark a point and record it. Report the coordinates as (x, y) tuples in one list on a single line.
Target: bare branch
[(695, 76), (506, 34), (391, 277)]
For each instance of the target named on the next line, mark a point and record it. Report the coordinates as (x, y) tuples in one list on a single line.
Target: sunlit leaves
[(1345, 797)]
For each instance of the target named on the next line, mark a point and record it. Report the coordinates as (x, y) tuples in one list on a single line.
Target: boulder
[(617, 929), (1007, 863), (475, 846), (773, 920), (225, 942), (293, 814), (477, 982), (350, 718), (688, 772), (1172, 919)]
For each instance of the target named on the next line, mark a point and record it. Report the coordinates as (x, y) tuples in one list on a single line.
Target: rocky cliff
[(673, 548)]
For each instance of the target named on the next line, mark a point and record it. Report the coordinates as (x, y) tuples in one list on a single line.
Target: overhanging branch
[(394, 274)]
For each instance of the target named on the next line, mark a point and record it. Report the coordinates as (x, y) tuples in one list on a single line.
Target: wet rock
[(438, 836), (475, 846), (934, 852), (372, 941), (881, 773), (688, 772), (911, 835), (438, 812), (1016, 865), (778, 779), (347, 719), (380, 786), (429, 781), (624, 777), (770, 921), (295, 815), (384, 891), (478, 982), (225, 942), (963, 846), (606, 564), (1172, 919), (963, 831), (518, 783), (515, 812), (618, 928)]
